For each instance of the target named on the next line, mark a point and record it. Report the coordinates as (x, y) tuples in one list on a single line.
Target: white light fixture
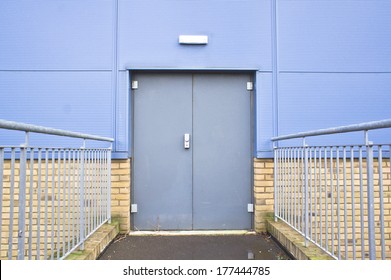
[(193, 39)]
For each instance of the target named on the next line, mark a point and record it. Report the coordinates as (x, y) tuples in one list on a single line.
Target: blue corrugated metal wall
[(319, 63)]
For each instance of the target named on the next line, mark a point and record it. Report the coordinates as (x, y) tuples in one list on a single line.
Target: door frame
[(252, 75)]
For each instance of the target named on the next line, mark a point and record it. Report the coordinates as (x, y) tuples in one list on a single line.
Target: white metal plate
[(193, 39)]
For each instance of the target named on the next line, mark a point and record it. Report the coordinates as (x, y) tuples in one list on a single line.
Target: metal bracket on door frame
[(134, 84), (133, 208), (250, 86)]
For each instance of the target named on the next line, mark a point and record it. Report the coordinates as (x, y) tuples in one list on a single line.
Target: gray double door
[(192, 151)]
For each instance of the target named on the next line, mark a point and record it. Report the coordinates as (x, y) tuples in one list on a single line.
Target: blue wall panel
[(56, 34), (343, 35), (78, 101), (122, 112), (310, 101), (58, 62), (239, 34), (264, 113)]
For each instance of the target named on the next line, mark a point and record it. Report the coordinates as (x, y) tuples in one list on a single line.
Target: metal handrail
[(307, 178), (340, 129), (4, 124), (77, 190)]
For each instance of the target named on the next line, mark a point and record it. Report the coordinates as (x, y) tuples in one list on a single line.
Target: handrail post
[(22, 198), (82, 204), (109, 184), (371, 201), (275, 179), (305, 193)]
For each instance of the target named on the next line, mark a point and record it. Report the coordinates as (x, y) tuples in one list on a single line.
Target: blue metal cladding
[(239, 34), (77, 101), (64, 63), (56, 34), (334, 66), (334, 36)]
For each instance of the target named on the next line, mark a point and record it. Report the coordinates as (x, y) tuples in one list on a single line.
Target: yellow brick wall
[(120, 192), (263, 192)]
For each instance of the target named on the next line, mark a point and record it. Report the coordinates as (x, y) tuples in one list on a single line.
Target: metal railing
[(51, 198), (337, 196)]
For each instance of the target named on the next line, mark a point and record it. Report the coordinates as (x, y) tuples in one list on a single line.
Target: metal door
[(162, 168), (222, 151), (206, 185)]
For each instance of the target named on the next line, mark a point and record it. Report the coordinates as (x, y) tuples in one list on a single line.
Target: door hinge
[(133, 208), (250, 208), (134, 84), (250, 86)]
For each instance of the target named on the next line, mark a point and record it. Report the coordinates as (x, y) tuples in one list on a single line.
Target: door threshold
[(191, 232)]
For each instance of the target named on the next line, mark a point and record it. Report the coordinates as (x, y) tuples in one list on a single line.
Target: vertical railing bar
[(299, 188), (345, 210), (283, 186), (371, 206), (104, 167), (53, 194), (306, 228), (87, 192), (90, 200), (58, 202), (332, 199), (74, 213), (82, 198), (281, 172), (287, 186), (301, 191), (310, 212), (276, 176), (292, 178), (64, 187), (69, 237), (353, 201), (326, 200), (90, 191), (39, 204), (96, 190), (78, 195), (1, 193), (12, 197), (280, 197), (45, 255), (316, 193), (30, 237), (380, 167), (97, 187), (109, 183), (282, 182), (338, 205), (361, 204), (290, 187), (92, 188), (22, 200), (101, 187), (320, 199), (295, 187)]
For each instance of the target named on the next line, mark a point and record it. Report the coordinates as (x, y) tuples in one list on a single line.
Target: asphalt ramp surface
[(194, 247)]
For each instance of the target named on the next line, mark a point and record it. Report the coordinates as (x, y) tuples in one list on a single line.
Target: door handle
[(186, 141)]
